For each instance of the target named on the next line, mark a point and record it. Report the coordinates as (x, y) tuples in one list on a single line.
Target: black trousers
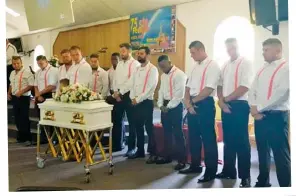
[(202, 131), (9, 69), (121, 108), (236, 139), (142, 113), (21, 106), (149, 127), (272, 132), (172, 123), (42, 134), (118, 129)]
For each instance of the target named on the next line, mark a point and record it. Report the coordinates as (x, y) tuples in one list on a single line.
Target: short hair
[(272, 41), (197, 45), (75, 48), (65, 51), (230, 40), (14, 58), (125, 45), (146, 48), (163, 58), (41, 57), (115, 54), (94, 56)]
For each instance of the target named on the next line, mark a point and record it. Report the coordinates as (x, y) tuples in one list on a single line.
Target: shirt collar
[(205, 61), (81, 61), (277, 62), (172, 69)]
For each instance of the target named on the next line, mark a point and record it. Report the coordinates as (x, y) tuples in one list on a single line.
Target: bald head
[(272, 49)]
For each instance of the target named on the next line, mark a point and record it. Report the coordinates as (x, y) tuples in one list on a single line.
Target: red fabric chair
[(159, 140)]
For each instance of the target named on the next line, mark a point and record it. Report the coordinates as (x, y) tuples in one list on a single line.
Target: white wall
[(200, 18)]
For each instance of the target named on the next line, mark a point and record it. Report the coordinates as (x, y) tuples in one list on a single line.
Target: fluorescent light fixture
[(11, 12)]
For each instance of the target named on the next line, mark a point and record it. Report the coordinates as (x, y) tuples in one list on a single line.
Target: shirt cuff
[(260, 108), (139, 99)]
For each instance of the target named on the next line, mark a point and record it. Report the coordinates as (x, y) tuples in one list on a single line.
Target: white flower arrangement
[(76, 93)]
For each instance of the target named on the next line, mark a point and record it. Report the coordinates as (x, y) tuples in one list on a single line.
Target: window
[(239, 28), (39, 50)]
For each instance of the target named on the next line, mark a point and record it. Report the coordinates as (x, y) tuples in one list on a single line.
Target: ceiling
[(86, 11)]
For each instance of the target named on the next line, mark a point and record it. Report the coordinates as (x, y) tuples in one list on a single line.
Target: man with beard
[(269, 101), (144, 83), (100, 81), (122, 85), (65, 68)]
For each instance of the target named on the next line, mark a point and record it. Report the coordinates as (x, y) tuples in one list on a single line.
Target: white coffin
[(88, 116)]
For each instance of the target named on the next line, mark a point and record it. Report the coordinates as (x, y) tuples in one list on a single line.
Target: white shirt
[(111, 73), (46, 77), (80, 73), (234, 74), (100, 82), (205, 74), (123, 74), (279, 94), (21, 80), (10, 51), (172, 88), (144, 82)]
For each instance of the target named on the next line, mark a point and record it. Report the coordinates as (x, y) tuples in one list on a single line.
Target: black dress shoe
[(191, 170), (179, 166), (129, 153), (262, 185), (222, 175), (151, 160), (162, 161), (206, 178), (136, 155), (245, 183)]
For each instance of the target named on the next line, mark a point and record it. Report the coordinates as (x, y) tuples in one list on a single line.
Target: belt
[(276, 112)]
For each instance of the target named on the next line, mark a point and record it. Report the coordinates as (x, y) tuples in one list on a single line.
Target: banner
[(155, 28)]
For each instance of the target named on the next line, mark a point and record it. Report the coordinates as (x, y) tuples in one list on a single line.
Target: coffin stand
[(74, 126)]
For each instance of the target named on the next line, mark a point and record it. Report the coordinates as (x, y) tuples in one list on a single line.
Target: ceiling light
[(12, 12)]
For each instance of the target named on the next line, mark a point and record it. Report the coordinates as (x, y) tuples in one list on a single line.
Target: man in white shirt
[(235, 81), (170, 97), (100, 80), (81, 72), (66, 67), (269, 101), (10, 52), (125, 69), (114, 61), (118, 129), (46, 80), (200, 105), (21, 84), (143, 85)]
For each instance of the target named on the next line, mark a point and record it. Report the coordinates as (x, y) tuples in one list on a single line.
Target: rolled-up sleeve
[(212, 75)]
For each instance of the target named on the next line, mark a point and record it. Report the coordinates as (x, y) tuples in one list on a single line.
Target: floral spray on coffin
[(75, 93)]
